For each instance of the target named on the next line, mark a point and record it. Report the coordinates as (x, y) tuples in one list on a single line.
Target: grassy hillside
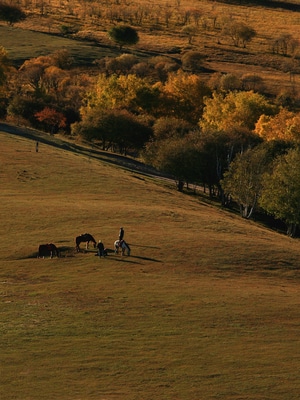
[(206, 307)]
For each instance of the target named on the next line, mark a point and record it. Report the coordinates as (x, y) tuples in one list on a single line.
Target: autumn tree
[(113, 92), (229, 82), (285, 44), (192, 61), (252, 82), (51, 119), (186, 95), (190, 31), (123, 35), (234, 109), (4, 63), (162, 67), (284, 126), (46, 81), (120, 65), (281, 190), (62, 59), (6, 71), (227, 127)]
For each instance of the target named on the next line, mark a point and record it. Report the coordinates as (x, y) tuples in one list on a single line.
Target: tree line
[(223, 134)]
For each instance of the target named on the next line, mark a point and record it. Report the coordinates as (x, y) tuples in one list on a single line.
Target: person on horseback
[(121, 234)]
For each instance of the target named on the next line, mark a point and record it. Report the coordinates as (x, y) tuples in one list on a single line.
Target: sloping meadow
[(205, 307)]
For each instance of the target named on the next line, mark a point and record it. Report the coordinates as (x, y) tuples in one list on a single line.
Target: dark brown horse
[(84, 238), (48, 250)]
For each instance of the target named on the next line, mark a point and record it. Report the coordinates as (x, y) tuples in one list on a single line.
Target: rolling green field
[(206, 307)]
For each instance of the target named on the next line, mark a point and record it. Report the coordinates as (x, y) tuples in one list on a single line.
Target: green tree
[(170, 128), (118, 129), (165, 130), (11, 14), (24, 108), (281, 190), (179, 158), (243, 180), (123, 35)]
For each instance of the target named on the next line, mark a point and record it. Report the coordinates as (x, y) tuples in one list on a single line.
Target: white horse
[(121, 244)]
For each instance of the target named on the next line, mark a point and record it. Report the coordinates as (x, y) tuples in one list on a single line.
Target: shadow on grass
[(127, 260), (140, 245), (146, 259), (112, 252), (111, 255), (69, 251), (64, 251)]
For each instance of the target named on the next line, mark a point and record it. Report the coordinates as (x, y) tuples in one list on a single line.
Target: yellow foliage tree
[(188, 92), (234, 110), (114, 92), (284, 126)]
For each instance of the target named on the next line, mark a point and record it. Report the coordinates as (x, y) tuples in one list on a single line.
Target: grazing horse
[(48, 250), (84, 238), (121, 244)]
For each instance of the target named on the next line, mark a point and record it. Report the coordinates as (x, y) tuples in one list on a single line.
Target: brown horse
[(48, 250), (84, 238)]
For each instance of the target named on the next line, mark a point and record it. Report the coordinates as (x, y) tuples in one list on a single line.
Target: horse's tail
[(77, 241)]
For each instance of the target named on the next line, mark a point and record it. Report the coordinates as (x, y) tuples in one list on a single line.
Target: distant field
[(23, 44), (157, 38), (206, 307)]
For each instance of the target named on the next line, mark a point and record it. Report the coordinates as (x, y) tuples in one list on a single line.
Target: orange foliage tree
[(51, 118), (284, 126)]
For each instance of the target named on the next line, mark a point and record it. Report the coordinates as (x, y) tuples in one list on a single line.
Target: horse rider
[(121, 234)]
